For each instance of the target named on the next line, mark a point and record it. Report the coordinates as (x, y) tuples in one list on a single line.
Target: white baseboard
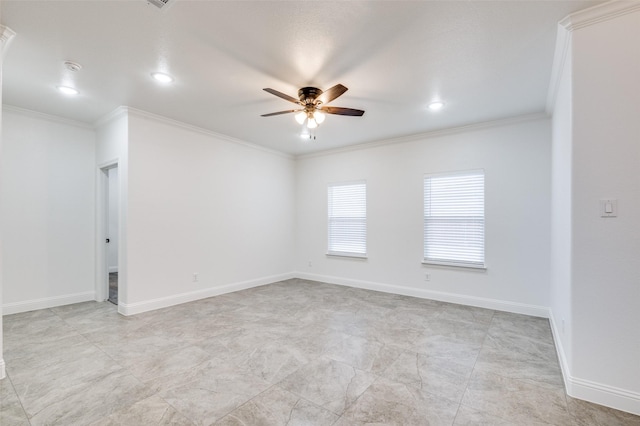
[(609, 396), (3, 371), (164, 302), (598, 393), (113, 269), (481, 302), (47, 302)]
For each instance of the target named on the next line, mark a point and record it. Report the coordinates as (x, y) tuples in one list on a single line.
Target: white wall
[(201, 204), (47, 210), (561, 172), (606, 163), (114, 213), (516, 160)]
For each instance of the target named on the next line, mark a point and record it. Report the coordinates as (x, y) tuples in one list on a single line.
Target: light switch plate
[(608, 207)]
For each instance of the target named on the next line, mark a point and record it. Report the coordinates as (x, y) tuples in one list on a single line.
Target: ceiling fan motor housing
[(308, 95)]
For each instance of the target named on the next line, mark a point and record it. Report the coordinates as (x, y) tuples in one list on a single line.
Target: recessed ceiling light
[(436, 106), (68, 90), (162, 77)]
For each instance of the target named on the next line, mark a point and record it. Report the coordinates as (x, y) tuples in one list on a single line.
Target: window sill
[(455, 265), (348, 255)]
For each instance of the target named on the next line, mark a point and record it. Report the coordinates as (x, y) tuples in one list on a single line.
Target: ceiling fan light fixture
[(301, 116), (319, 116), (436, 106), (312, 124)]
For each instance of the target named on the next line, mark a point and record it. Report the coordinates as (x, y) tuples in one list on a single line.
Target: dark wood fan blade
[(282, 95), (280, 112), (331, 94), (342, 111)]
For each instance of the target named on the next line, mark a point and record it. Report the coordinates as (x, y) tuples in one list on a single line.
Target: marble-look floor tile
[(93, 400), (588, 414), (470, 333), (450, 311), (45, 328), (390, 403), (313, 338), (216, 391), (275, 360), (516, 401), (151, 411), (40, 353), (178, 361), (517, 357), (236, 343), (96, 316), (338, 318), (294, 352), (135, 347), (40, 388), (468, 416), (276, 406), (448, 348), (439, 376), (212, 366), (328, 383), (387, 334), (189, 330), (411, 317), (530, 327), (383, 300), (216, 305), (520, 346), (28, 319), (361, 353), (11, 411)]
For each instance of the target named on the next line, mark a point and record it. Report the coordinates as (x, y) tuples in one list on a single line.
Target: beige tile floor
[(290, 353)]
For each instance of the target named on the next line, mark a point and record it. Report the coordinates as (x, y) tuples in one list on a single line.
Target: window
[(348, 219), (454, 219)]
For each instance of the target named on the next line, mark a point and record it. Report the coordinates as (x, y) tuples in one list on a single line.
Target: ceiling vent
[(161, 4)]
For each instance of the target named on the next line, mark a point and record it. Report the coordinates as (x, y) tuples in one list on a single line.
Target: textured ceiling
[(487, 60)]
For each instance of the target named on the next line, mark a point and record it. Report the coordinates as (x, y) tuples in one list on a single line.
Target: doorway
[(112, 232)]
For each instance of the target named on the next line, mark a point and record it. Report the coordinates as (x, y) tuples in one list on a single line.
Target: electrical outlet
[(427, 277), (195, 277)]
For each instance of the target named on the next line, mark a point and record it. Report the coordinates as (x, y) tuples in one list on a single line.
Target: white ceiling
[(486, 59)]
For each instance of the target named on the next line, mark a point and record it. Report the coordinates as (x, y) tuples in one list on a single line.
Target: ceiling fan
[(313, 102)]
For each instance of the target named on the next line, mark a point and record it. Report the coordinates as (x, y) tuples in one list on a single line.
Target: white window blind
[(454, 219), (348, 219)]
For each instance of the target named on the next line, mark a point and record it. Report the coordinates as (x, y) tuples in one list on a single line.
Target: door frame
[(102, 229)]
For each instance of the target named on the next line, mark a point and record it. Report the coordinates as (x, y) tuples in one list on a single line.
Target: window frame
[(452, 262)]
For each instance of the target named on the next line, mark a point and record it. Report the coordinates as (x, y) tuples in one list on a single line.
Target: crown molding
[(121, 111), (599, 13), (46, 117), (431, 135), (581, 19)]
